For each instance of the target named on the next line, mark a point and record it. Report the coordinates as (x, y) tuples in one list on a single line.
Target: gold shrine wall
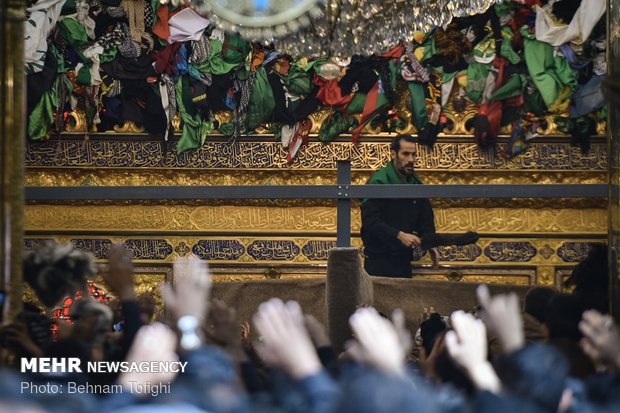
[(524, 241)]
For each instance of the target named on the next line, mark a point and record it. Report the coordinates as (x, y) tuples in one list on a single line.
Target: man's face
[(403, 160)]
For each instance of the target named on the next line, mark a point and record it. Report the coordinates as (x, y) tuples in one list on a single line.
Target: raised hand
[(119, 275), (378, 342), (223, 329), (467, 345), (192, 286), (404, 335), (154, 342), (285, 342), (601, 339), (502, 316)]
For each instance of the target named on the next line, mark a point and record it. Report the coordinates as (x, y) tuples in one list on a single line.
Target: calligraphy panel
[(273, 250), (227, 250), (148, 249), (317, 250), (510, 251), (573, 251), (100, 248), (103, 153), (459, 253), (31, 243)]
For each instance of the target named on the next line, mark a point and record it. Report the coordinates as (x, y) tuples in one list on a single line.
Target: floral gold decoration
[(128, 127)]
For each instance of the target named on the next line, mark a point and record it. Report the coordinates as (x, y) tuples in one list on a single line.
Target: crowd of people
[(559, 353)]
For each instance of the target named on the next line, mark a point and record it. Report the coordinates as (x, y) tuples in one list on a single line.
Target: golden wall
[(524, 241)]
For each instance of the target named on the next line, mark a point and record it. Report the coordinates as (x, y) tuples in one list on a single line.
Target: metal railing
[(343, 192)]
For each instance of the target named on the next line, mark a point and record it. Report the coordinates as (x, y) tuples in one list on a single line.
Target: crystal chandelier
[(337, 28)]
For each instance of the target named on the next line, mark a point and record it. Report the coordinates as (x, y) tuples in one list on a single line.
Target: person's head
[(55, 271), (404, 150), (537, 373), (429, 330), (562, 317), (91, 320), (590, 278), (536, 301), (591, 273)]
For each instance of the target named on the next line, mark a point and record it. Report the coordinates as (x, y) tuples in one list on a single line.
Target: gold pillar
[(613, 132), (12, 130)]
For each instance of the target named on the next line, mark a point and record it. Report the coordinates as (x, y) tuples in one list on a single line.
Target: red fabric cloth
[(161, 28), (492, 111), (396, 51), (329, 93), (165, 59), (519, 20), (300, 138), (369, 109)]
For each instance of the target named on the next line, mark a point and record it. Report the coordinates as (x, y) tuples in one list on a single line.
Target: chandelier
[(339, 28)]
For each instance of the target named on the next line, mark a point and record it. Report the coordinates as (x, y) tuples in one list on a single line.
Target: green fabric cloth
[(485, 49), (334, 125), (549, 73), (74, 34), (41, 119), (506, 49), (476, 80), (394, 68), (389, 175), (227, 129), (262, 102), (83, 75), (62, 68), (216, 63), (108, 56), (513, 87), (417, 94), (298, 82), (316, 64), (533, 101), (156, 4), (505, 7), (68, 8), (195, 127), (357, 103), (430, 49), (235, 49), (446, 77)]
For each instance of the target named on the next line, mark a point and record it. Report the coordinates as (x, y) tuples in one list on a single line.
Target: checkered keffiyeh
[(242, 109), (168, 99), (148, 16), (415, 64), (201, 51), (114, 37)]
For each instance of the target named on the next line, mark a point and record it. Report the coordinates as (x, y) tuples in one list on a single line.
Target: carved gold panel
[(518, 260), (295, 219), (370, 154), (132, 177)]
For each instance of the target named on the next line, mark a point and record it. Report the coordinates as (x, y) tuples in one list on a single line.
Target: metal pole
[(12, 130), (613, 135), (343, 212)]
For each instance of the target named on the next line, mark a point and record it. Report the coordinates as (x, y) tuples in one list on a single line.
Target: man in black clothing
[(392, 227)]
